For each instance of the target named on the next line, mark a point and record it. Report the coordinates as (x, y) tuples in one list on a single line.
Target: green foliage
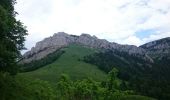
[(8, 5), (69, 63), (17, 88), (135, 97), (88, 89), (24, 88), (42, 62), (112, 81), (145, 80), (12, 34), (128, 65), (65, 88)]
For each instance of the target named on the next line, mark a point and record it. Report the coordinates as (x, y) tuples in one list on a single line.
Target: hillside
[(158, 49), (144, 69), (70, 64), (147, 78)]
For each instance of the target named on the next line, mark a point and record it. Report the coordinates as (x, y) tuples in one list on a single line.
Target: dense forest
[(150, 81)]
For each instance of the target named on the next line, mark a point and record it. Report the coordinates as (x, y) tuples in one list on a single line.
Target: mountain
[(128, 56), (158, 49), (145, 69), (129, 59), (151, 79), (61, 39)]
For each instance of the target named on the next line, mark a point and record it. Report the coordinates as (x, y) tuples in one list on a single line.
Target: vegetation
[(17, 88), (12, 38), (145, 80), (42, 62), (89, 89), (20, 88), (47, 83), (69, 64), (128, 65)]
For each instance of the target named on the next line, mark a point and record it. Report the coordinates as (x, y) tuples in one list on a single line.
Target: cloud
[(155, 37), (114, 20), (131, 40)]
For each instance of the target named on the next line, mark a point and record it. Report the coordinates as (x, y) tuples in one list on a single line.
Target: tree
[(112, 80), (65, 88), (12, 37), (87, 89)]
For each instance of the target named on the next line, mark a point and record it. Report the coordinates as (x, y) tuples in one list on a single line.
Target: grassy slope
[(69, 64)]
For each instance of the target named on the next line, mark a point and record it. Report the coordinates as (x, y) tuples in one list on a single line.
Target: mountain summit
[(61, 39)]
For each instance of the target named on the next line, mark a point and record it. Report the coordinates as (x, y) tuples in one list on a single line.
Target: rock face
[(158, 49), (61, 39)]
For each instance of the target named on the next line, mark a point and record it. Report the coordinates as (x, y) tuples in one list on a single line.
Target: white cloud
[(114, 20), (132, 40)]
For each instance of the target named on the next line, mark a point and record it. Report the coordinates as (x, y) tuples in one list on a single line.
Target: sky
[(133, 22)]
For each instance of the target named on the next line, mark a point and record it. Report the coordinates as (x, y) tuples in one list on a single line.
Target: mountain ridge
[(158, 48), (61, 39)]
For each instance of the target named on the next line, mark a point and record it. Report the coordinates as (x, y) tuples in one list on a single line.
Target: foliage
[(25, 88), (88, 89), (14, 88), (112, 81), (69, 64), (65, 88), (135, 97), (12, 38), (42, 62), (145, 80), (128, 65)]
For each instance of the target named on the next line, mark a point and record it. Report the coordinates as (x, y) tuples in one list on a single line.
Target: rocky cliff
[(61, 39), (158, 49)]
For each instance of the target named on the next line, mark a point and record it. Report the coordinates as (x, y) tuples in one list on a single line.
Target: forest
[(150, 81)]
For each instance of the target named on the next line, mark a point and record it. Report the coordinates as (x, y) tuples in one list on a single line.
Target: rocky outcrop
[(158, 49), (61, 39)]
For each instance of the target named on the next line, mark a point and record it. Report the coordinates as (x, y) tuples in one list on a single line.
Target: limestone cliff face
[(61, 39)]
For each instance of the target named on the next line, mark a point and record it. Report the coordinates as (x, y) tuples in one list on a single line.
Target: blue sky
[(145, 33), (124, 21)]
